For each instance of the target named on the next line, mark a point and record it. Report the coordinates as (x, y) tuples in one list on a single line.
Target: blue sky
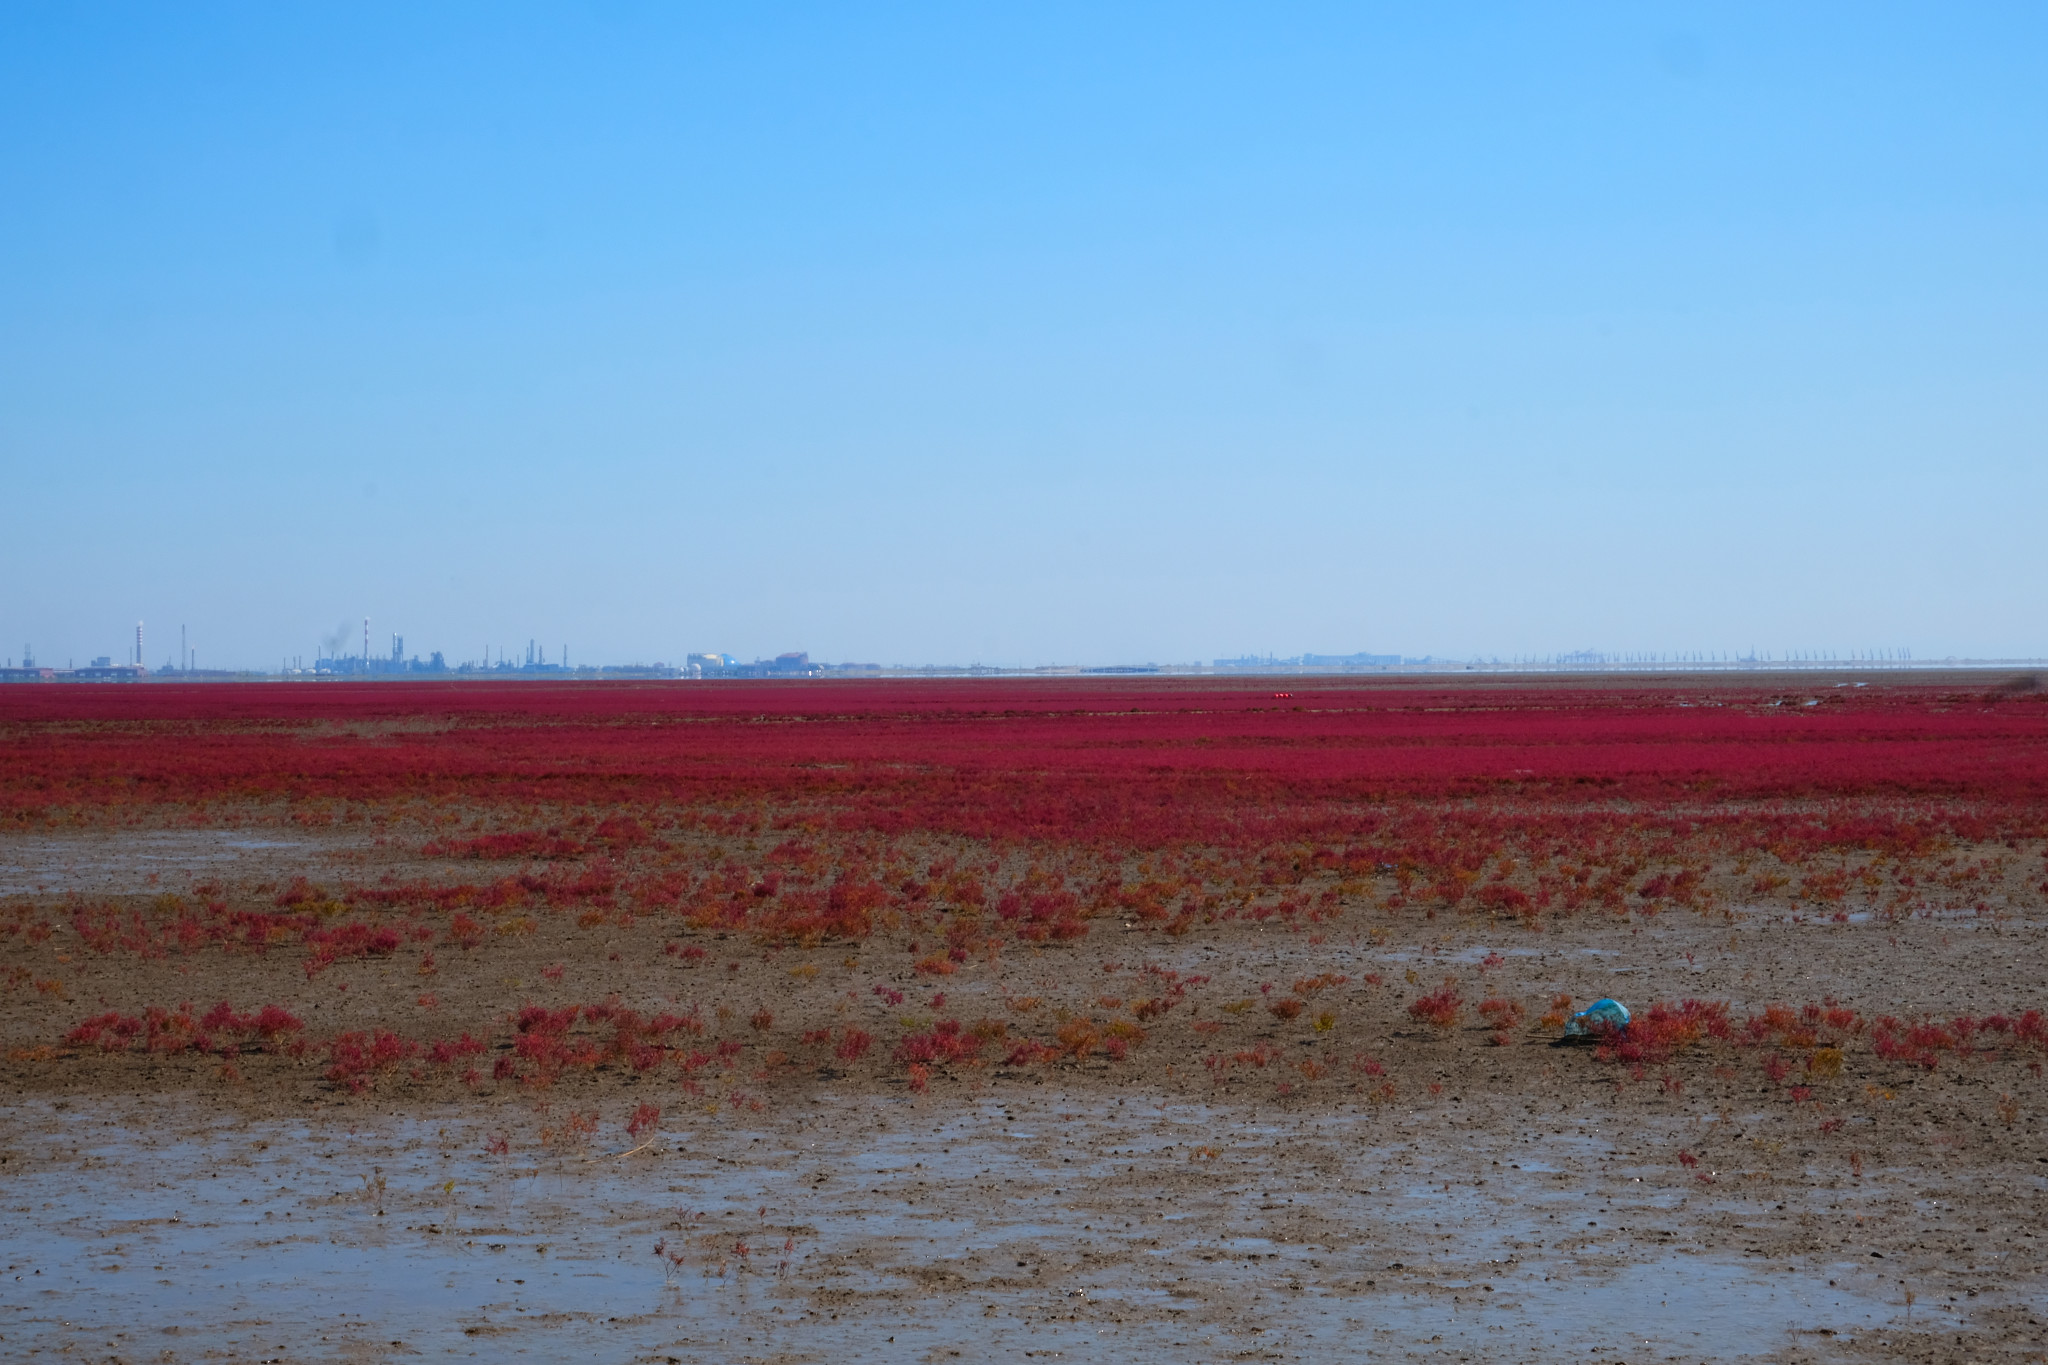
[(1040, 334)]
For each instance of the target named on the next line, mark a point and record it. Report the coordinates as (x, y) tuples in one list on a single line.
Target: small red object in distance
[(1280, 695)]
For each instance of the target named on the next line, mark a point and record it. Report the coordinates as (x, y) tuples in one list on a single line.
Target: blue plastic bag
[(1597, 1019)]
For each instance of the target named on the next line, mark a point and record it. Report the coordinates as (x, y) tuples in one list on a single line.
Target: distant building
[(102, 671), (1254, 663), (796, 664), (657, 669), (358, 666), (1350, 660)]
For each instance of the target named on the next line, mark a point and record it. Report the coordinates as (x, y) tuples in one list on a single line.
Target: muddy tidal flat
[(1166, 1024)]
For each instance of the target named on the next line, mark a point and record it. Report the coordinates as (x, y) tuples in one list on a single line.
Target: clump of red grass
[(1520, 806), (1505, 1016), (945, 1042), (351, 940), (1821, 1031), (356, 1059), (1654, 1034), (646, 1118), (526, 844), (167, 1032), (1440, 1007), (1920, 1043)]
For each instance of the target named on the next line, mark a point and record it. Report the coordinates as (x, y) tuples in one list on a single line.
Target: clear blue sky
[(1028, 334)]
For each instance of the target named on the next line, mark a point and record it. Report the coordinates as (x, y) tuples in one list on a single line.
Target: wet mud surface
[(1044, 1224), (136, 862), (1336, 1184)]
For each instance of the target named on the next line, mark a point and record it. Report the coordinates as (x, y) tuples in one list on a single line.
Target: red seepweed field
[(952, 822), (569, 910)]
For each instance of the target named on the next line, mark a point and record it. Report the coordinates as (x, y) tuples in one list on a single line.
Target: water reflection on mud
[(871, 1228)]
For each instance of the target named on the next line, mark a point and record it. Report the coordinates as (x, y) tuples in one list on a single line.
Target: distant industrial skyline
[(533, 659)]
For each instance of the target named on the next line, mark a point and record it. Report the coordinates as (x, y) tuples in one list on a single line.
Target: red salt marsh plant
[(1170, 809), (945, 1042), (356, 1059), (1440, 1007), (1078, 1037), (1069, 739), (1920, 1042), (1500, 1012), (1172, 988), (573, 1134), (221, 1029), (353, 940), (673, 1259), (1823, 1032), (1258, 1056), (520, 844), (1504, 1015), (1538, 779), (453, 1051), (1655, 1034)]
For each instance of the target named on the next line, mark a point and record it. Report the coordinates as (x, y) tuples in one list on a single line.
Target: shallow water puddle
[(863, 1228)]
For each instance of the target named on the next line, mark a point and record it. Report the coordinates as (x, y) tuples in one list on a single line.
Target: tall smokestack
[(138, 642), (366, 644)]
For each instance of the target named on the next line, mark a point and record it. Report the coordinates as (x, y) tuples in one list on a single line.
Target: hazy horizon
[(425, 660)]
